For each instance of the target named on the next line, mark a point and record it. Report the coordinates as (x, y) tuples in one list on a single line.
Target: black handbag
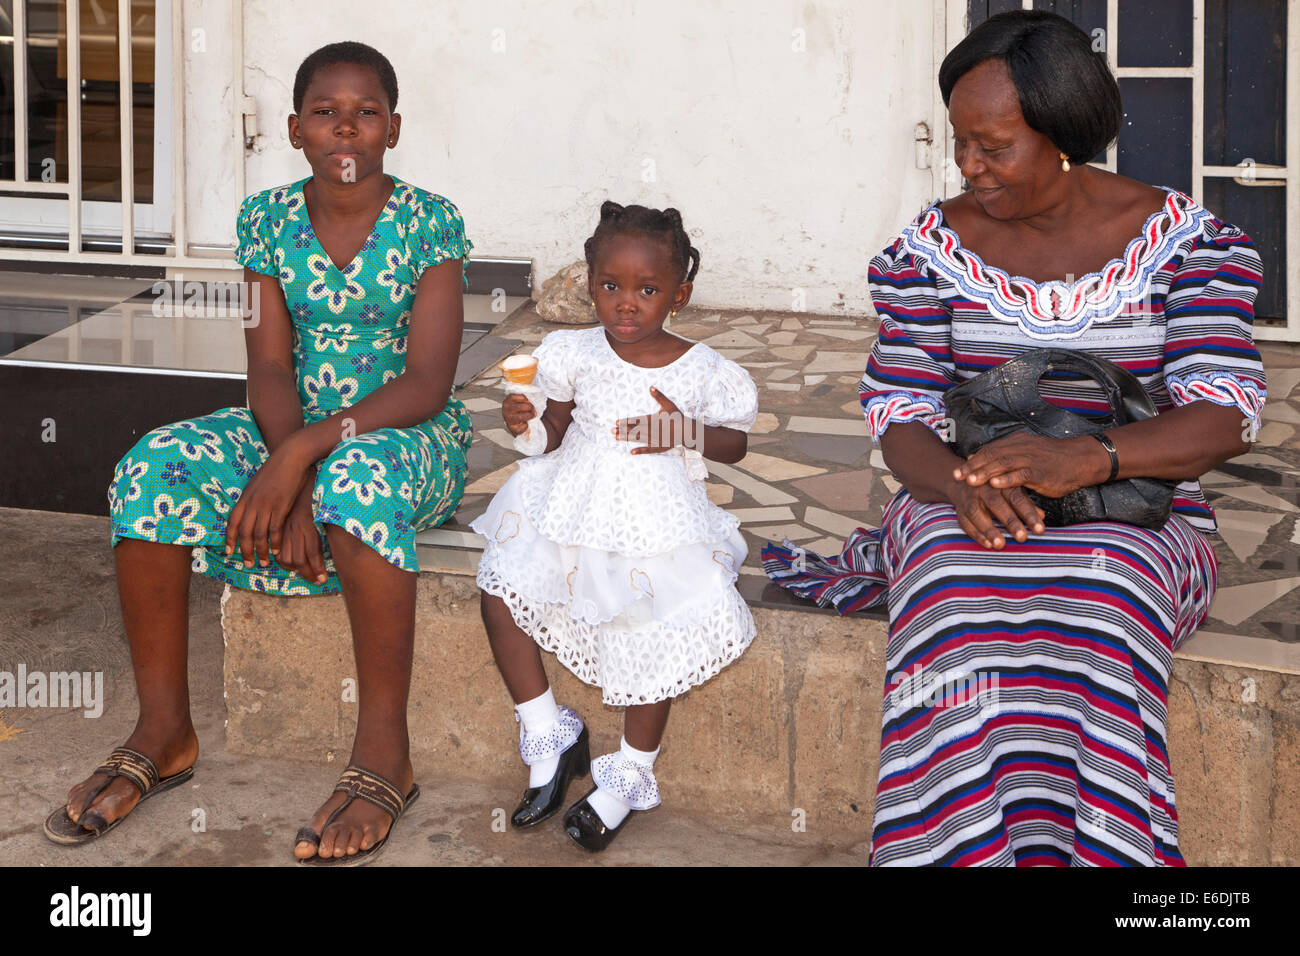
[(1006, 399)]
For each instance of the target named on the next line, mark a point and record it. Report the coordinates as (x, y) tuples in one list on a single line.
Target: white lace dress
[(618, 563)]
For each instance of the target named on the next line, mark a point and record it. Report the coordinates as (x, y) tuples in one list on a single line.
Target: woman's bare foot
[(362, 824), (171, 751)]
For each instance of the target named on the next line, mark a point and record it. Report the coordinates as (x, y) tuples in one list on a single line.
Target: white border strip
[(72, 41), (179, 225), (1291, 331), (17, 185), (1292, 160), (116, 259), (1198, 100), (126, 124), (133, 369), (1112, 57), (1159, 72), (20, 91)]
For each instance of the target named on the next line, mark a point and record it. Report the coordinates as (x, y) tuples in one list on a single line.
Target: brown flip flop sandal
[(359, 783), (122, 762)]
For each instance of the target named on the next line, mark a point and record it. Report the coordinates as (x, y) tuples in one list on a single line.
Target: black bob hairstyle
[(1066, 90), (665, 225), (350, 52)]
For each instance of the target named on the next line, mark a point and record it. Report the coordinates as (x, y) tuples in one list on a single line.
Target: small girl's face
[(345, 125), (635, 283)]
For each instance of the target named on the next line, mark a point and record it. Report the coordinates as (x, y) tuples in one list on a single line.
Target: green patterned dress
[(179, 483)]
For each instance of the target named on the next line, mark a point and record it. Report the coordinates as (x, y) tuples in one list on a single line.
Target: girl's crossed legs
[(624, 779), (520, 661)]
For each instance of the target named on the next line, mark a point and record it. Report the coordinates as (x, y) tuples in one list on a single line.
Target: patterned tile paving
[(812, 474)]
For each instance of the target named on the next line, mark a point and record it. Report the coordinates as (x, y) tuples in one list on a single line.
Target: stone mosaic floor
[(812, 475)]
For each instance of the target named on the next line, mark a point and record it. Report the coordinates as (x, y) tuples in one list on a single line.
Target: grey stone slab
[(481, 356), (844, 450)]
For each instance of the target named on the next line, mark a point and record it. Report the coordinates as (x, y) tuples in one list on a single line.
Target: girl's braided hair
[(665, 224)]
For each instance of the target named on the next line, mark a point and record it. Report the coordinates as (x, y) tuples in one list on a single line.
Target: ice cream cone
[(519, 369)]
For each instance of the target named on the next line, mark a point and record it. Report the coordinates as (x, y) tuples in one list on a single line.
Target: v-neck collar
[(385, 215)]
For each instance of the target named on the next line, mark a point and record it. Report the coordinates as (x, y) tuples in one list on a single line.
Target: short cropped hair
[(353, 53), (1066, 90)]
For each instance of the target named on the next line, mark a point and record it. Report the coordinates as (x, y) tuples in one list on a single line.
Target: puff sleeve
[(732, 397), (555, 373), (910, 365), (1209, 351), (254, 246), (438, 234)]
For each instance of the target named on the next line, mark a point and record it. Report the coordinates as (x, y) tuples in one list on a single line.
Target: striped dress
[(1024, 718)]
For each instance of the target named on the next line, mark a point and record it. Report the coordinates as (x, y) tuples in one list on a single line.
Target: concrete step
[(794, 725)]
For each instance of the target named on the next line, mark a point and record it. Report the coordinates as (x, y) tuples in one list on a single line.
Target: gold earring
[(1065, 163), (673, 314)]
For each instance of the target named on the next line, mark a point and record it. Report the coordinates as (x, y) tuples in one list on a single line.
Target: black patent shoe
[(540, 803), (583, 825)]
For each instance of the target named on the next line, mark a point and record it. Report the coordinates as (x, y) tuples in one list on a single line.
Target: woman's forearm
[(423, 389), (407, 400), (273, 400), (1180, 444), (920, 460), (272, 385)]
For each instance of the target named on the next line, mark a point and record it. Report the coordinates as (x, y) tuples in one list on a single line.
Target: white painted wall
[(791, 167), (212, 145)]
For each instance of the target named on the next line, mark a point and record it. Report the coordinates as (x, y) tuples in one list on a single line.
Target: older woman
[(1065, 635)]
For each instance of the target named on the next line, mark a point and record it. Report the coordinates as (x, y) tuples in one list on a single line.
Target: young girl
[(606, 550), (352, 442)]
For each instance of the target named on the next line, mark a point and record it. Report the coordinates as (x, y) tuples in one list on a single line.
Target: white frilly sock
[(611, 810), (538, 716)]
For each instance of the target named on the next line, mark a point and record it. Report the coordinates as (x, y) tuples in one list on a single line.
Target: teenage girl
[(352, 442)]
